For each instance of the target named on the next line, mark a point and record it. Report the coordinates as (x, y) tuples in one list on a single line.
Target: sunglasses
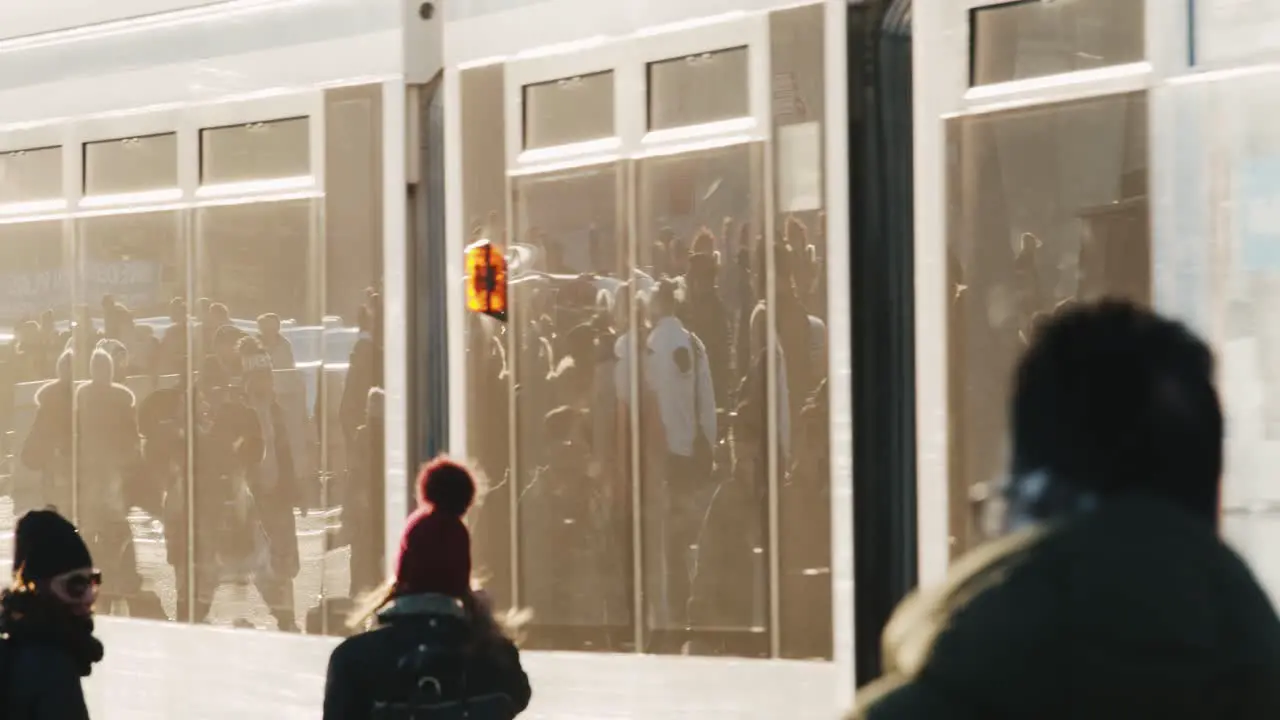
[(77, 585)]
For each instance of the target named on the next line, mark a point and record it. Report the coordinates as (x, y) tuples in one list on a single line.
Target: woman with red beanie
[(437, 643)]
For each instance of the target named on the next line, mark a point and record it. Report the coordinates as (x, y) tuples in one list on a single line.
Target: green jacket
[(1132, 611)]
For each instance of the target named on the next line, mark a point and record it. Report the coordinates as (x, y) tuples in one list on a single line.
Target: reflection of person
[(1029, 287), (172, 353), (277, 345), (109, 452), (572, 379), (47, 449), (431, 623), (119, 357), (46, 615), (706, 316), (211, 317), (163, 419), (273, 482), (82, 338), (1112, 565), (563, 585), (362, 507), (31, 354), (223, 368), (364, 371), (805, 558), (676, 373)]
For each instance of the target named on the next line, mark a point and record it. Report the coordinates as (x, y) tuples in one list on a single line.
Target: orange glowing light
[(487, 279)]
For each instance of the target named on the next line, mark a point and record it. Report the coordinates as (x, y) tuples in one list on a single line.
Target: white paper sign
[(800, 167)]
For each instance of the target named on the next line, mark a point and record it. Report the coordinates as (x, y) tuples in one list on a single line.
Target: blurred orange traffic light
[(487, 279)]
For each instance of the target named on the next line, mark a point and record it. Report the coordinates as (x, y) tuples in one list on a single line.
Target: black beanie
[(46, 545)]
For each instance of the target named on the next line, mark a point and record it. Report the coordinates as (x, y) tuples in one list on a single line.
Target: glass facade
[(186, 380), (1033, 38), (568, 110), (652, 419), (1046, 206), (1164, 194)]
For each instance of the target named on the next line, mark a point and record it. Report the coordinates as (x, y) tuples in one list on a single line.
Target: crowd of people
[(211, 430), (1105, 554), (689, 326)]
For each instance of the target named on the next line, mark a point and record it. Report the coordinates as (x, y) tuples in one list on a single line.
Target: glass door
[(665, 359), (572, 461)]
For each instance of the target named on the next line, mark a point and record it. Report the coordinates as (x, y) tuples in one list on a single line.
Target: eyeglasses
[(77, 584)]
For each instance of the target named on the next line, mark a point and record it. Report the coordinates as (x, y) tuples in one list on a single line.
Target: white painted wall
[(294, 45), (522, 24), (18, 18)]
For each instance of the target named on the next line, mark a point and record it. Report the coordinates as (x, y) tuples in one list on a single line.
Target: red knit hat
[(435, 549)]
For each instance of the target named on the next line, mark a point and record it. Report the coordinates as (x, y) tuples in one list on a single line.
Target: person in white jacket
[(677, 378)]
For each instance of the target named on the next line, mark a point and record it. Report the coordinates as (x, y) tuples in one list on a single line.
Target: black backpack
[(437, 686)]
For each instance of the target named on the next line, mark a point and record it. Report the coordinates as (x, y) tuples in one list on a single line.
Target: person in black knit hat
[(46, 617), (1106, 589)]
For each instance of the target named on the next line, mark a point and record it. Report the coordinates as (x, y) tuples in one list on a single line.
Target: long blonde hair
[(508, 625)]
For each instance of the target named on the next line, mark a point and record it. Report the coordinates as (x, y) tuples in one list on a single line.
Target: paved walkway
[(322, 571)]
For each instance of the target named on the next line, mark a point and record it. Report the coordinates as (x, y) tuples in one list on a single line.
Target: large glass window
[(31, 175), (255, 151), (190, 387), (35, 306), (652, 418), (1046, 206), (705, 522), (1033, 38), (697, 89), (568, 110), (254, 548), (127, 269), (131, 165), (572, 468), (800, 284)]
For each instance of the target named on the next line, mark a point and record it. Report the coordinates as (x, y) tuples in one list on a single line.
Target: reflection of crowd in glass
[(109, 418), (693, 318)]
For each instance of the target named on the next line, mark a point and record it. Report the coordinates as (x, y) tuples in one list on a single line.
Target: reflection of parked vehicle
[(328, 345), (601, 283)]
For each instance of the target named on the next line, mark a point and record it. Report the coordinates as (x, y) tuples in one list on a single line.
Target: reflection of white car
[(602, 283), (329, 344)]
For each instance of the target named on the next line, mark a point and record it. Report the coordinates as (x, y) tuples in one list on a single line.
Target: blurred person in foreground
[(1109, 593), (436, 644), (46, 617)]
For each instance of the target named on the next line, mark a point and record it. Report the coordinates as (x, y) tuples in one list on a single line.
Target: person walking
[(436, 643), (1106, 590), (46, 619)]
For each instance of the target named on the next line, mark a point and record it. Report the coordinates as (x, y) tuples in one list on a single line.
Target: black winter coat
[(44, 684), (45, 654), (1135, 610), (365, 668)]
